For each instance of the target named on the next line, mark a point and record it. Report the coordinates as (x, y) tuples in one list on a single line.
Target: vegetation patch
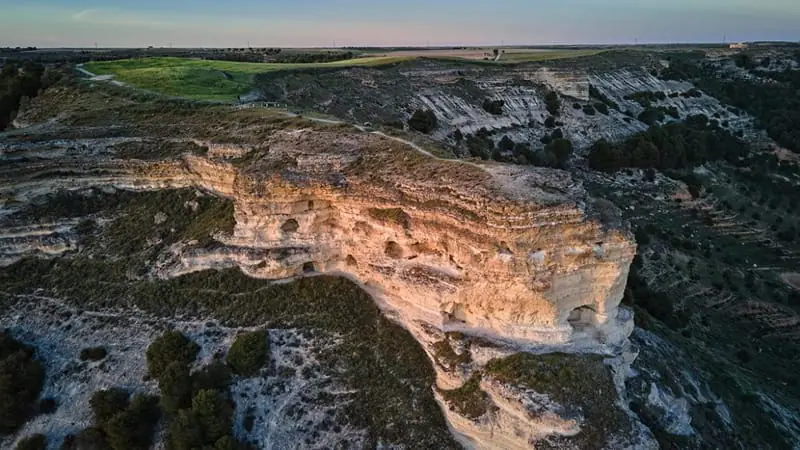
[(171, 347), (582, 384), (21, 380), (469, 400), (35, 442), (444, 354), (249, 353), (670, 146), (202, 79), (424, 121)]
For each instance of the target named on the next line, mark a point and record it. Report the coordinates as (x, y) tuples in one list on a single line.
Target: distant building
[(738, 46)]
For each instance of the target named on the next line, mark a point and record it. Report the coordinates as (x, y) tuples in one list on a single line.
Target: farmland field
[(213, 80), (206, 79)]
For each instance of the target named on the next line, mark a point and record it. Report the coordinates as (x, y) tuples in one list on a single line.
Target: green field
[(520, 56), (200, 79), (206, 79)]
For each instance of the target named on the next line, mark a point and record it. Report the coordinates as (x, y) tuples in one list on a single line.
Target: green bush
[(208, 422), (562, 149), (168, 348), (672, 146), (468, 400), (21, 380), (133, 428), (249, 353), (494, 107), (35, 442), (552, 103), (107, 403), (92, 438), (175, 385), (423, 121)]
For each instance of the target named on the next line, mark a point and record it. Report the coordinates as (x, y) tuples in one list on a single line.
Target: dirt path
[(109, 78)]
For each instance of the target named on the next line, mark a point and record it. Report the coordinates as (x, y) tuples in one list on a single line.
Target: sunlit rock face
[(516, 255), (506, 253)]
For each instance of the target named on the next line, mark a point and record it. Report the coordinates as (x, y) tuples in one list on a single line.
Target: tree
[(562, 149), (249, 353), (170, 347), (213, 414), (175, 384), (35, 442), (133, 428), (107, 403), (494, 107), (21, 380), (552, 103), (423, 121), (506, 144), (605, 157)]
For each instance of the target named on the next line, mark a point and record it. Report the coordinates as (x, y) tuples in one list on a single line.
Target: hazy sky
[(227, 23)]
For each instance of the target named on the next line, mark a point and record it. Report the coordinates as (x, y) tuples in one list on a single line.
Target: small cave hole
[(290, 226), (310, 205), (393, 250), (309, 267), (351, 261), (581, 317)]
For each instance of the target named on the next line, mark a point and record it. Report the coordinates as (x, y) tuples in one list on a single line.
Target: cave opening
[(309, 267), (581, 317), (290, 226)]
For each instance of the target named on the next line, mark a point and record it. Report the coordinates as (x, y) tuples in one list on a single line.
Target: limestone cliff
[(513, 255)]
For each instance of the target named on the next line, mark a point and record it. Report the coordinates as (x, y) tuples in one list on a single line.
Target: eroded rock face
[(492, 259), (513, 254)]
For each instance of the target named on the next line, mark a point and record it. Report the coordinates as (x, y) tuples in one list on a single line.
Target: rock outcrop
[(514, 255)]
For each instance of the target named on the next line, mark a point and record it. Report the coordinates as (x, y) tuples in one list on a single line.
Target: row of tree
[(775, 105), (672, 146)]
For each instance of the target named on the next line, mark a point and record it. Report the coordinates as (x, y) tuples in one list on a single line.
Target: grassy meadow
[(200, 79)]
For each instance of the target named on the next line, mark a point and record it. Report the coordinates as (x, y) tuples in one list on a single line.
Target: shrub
[(562, 149), (589, 110), (93, 354), (249, 353), (602, 108), (21, 379), (133, 428), (506, 144), (35, 442), (552, 103), (92, 438), (494, 106), (107, 403), (423, 121), (469, 400), (170, 347), (175, 384), (550, 122), (216, 375)]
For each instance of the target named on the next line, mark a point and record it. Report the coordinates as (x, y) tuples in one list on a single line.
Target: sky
[(324, 23)]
